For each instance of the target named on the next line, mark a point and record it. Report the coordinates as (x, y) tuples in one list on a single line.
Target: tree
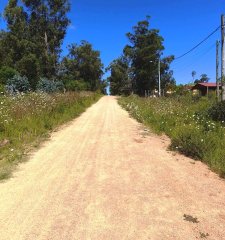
[(144, 51), (7, 73), (32, 42), (119, 80), (167, 79), (83, 64), (48, 22), (193, 74), (203, 79)]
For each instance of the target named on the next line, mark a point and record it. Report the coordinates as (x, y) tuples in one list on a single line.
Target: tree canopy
[(143, 54), (35, 31), (31, 46), (84, 65), (203, 78), (120, 82)]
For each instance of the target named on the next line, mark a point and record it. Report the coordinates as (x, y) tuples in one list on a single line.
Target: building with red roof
[(205, 88)]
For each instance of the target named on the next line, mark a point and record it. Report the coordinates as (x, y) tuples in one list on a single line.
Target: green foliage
[(32, 46), (35, 31), (26, 119), (144, 52), (48, 86), (187, 122), (2, 89), (120, 82), (77, 85), (7, 73), (203, 79), (217, 112), (18, 84), (28, 66), (83, 63)]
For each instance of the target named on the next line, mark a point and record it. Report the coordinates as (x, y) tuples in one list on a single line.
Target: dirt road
[(101, 178)]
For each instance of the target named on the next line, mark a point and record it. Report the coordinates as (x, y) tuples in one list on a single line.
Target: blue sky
[(182, 23)]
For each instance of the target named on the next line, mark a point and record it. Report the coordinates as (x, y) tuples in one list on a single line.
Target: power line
[(196, 60), (205, 39), (196, 57)]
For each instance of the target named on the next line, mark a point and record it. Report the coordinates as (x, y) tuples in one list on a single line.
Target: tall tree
[(167, 80), (32, 42), (48, 22), (83, 64), (193, 74), (203, 79), (144, 51), (119, 80)]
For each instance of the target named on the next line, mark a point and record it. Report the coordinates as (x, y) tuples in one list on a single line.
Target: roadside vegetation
[(196, 126), (40, 86), (27, 119)]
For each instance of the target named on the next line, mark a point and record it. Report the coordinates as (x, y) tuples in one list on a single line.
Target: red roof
[(207, 84)]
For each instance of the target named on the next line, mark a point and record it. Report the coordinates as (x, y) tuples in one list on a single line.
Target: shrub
[(75, 85), (2, 88), (48, 86), (17, 84), (217, 112), (7, 73)]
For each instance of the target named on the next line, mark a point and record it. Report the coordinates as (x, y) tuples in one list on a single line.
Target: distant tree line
[(136, 71), (203, 78), (31, 53)]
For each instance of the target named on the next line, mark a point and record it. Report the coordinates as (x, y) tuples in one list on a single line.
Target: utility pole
[(223, 58), (159, 72), (217, 71)]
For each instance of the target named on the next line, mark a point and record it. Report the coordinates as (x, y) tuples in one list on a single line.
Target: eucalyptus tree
[(119, 79), (34, 35), (144, 51), (83, 64)]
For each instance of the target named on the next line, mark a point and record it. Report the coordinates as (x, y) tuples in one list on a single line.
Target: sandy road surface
[(101, 178)]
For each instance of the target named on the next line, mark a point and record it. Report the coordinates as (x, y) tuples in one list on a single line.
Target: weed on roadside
[(27, 119), (187, 122)]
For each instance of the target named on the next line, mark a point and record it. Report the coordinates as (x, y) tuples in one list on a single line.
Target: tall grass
[(187, 122), (25, 120)]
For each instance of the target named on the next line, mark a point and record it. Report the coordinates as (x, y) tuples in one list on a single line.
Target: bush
[(76, 85), (2, 88), (17, 84), (47, 86), (7, 73), (217, 112)]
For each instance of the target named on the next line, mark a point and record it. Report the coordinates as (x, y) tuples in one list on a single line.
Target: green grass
[(187, 122), (26, 120)]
